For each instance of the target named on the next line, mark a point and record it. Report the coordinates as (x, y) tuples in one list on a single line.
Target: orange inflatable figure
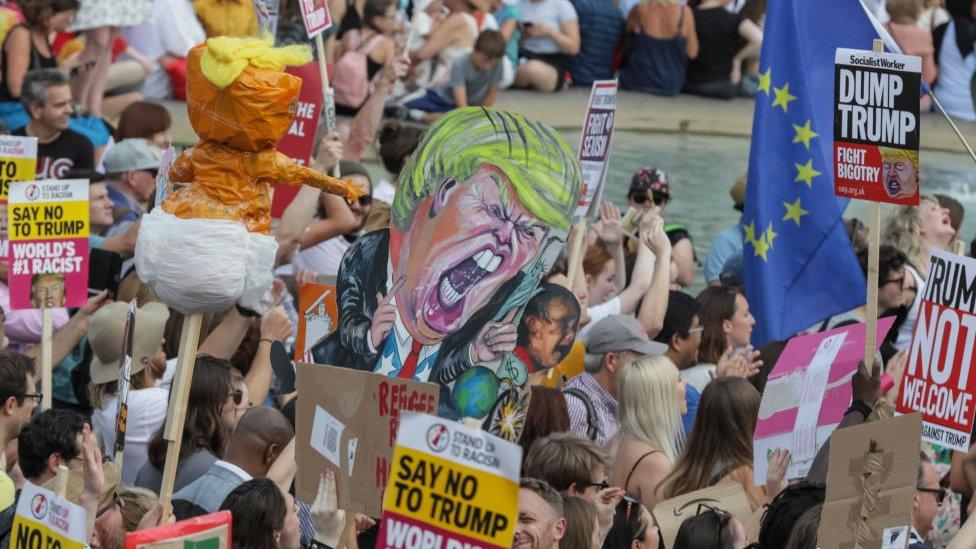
[(207, 247)]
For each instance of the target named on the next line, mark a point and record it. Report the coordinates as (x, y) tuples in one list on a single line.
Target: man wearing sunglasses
[(929, 496), (891, 287), (131, 166)]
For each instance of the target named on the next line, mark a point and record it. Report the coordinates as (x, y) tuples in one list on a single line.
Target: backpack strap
[(591, 420)]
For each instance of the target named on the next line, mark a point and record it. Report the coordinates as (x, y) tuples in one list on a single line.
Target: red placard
[(212, 530), (938, 380), (316, 16), (298, 142)]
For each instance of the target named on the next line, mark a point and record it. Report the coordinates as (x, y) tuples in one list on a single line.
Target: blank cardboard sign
[(728, 496), (346, 421), (871, 484)]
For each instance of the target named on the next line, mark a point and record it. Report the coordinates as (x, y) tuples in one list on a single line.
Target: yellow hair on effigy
[(226, 58)]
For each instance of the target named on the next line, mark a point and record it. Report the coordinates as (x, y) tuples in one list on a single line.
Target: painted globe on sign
[(475, 392)]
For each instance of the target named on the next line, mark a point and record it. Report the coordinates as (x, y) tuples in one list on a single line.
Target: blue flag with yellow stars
[(799, 265)]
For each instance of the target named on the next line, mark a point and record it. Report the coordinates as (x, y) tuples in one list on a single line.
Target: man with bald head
[(260, 436)]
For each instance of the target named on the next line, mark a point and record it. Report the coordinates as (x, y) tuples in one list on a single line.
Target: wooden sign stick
[(874, 243), (47, 366), (176, 412)]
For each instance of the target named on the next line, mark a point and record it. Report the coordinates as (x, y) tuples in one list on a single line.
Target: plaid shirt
[(604, 404)]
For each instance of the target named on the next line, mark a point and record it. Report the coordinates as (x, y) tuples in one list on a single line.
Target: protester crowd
[(652, 394)]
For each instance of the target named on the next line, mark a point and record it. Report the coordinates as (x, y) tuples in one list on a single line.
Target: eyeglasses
[(940, 493), (238, 397), (36, 397), (116, 500), (365, 200), (601, 485), (639, 198), (724, 517), (900, 281), (631, 505), (660, 198)]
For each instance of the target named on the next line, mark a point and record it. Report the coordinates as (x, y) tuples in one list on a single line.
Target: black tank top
[(37, 61)]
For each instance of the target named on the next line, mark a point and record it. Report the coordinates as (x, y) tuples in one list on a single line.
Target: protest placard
[(45, 520), (876, 126), (347, 422), (316, 16), (298, 141), (318, 316), (937, 381), (728, 496), (594, 149), (871, 485), (18, 162), (806, 395), (48, 227), (207, 532), (450, 487)]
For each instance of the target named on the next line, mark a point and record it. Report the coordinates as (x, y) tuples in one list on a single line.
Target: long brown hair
[(722, 438), (203, 428), (717, 304)]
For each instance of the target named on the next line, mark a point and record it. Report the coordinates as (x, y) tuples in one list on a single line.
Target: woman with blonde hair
[(916, 231), (651, 401), (719, 449)]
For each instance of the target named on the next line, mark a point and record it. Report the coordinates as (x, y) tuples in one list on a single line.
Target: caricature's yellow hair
[(225, 58), (891, 154)]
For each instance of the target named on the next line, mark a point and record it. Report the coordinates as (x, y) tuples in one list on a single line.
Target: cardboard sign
[(48, 227), (316, 16), (876, 103), (347, 421), (937, 381), (298, 142), (806, 395), (450, 486), (45, 520), (871, 485), (594, 150), (318, 317), (209, 531), (18, 162), (728, 496)]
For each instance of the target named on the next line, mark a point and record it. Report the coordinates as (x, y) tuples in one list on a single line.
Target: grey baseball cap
[(131, 155), (617, 333)]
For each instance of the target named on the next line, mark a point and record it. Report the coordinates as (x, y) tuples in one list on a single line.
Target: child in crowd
[(474, 80)]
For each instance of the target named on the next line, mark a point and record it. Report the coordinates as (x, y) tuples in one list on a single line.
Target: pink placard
[(789, 382)]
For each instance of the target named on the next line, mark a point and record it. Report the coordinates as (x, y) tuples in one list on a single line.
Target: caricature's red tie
[(410, 364)]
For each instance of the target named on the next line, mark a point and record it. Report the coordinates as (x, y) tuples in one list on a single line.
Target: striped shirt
[(604, 407)]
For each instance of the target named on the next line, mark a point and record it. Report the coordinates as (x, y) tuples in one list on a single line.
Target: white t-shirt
[(384, 192), (698, 376), (324, 257), (147, 413), (599, 312), (551, 12)]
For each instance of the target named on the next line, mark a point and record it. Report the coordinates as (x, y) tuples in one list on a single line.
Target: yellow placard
[(452, 496), (28, 534), (48, 220), (15, 169)]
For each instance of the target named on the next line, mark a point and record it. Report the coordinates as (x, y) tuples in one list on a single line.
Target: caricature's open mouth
[(456, 282)]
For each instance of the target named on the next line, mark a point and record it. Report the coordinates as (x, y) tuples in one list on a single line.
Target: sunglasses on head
[(631, 508), (238, 396), (116, 500), (656, 196)]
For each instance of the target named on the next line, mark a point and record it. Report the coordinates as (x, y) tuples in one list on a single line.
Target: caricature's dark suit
[(363, 275)]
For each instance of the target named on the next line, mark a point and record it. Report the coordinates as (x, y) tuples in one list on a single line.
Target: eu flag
[(799, 265)]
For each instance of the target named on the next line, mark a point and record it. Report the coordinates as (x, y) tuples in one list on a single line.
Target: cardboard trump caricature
[(481, 213)]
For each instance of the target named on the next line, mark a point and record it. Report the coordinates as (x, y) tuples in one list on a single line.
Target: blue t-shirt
[(509, 12), (727, 244), (692, 396)]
